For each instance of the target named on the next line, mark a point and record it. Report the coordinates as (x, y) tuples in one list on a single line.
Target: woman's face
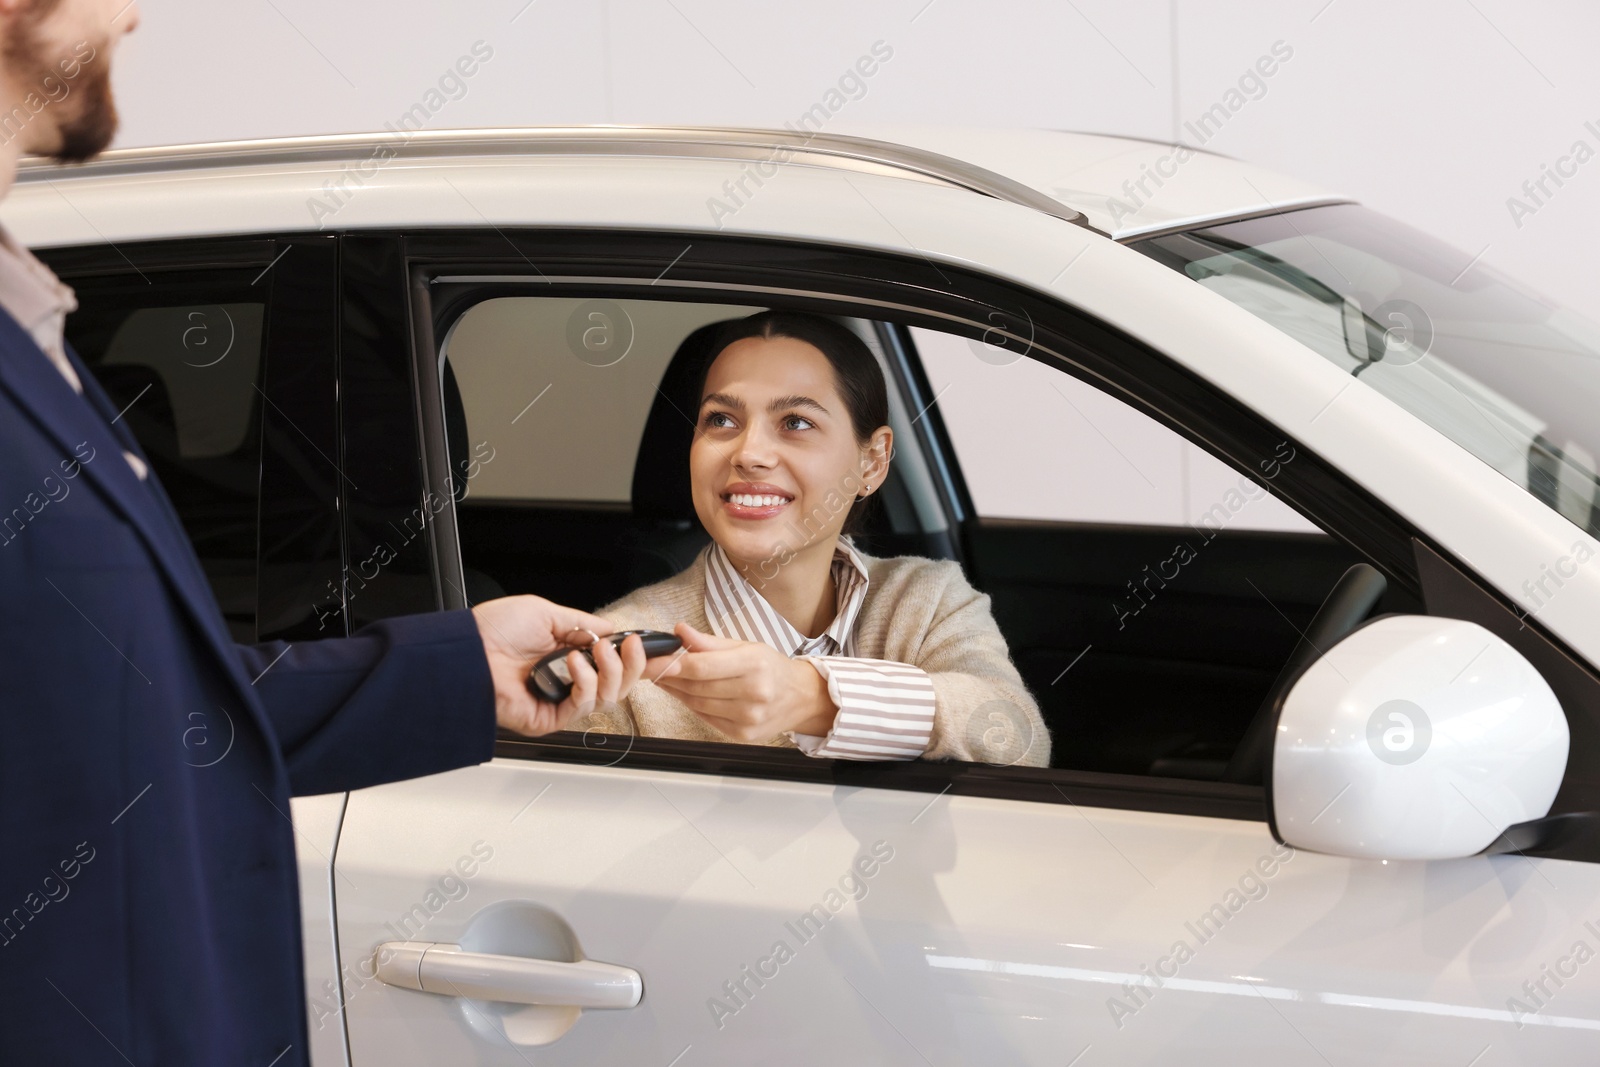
[(775, 463)]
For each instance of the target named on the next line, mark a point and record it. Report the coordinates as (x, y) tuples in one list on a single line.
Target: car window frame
[(909, 292)]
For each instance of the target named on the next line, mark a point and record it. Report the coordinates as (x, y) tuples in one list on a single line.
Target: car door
[(778, 908)]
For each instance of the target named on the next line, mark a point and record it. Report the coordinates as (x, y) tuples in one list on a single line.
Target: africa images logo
[(1398, 732)]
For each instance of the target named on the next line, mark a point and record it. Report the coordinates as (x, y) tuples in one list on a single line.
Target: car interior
[(1174, 696)]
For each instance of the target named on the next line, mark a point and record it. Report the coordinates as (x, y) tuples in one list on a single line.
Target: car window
[(181, 356), (1035, 443), (1096, 534)]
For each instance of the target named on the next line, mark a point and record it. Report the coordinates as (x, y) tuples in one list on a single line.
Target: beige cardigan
[(917, 611)]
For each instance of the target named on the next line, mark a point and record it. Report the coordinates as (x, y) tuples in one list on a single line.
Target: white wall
[(1435, 111)]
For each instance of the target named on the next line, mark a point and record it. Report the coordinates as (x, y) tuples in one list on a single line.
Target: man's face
[(56, 56)]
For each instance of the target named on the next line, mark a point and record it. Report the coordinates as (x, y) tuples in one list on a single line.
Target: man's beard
[(86, 118), (89, 127)]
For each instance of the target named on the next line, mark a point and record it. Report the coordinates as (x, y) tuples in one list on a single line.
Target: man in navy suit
[(148, 908)]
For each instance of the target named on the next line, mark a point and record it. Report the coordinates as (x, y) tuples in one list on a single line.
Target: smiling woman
[(793, 637), (833, 457)]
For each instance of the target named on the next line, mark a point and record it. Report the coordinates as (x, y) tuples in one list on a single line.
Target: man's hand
[(748, 690), (518, 631)]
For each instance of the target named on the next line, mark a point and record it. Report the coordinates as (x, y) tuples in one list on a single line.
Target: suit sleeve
[(984, 711), (400, 698)]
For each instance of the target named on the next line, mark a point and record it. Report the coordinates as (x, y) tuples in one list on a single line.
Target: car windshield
[(1508, 375)]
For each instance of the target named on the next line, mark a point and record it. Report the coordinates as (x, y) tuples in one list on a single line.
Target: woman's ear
[(875, 458)]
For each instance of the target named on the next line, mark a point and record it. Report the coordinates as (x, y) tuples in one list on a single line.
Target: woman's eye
[(797, 422), (717, 420)]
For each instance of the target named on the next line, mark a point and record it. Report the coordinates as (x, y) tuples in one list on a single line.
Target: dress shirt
[(885, 709), (40, 302)]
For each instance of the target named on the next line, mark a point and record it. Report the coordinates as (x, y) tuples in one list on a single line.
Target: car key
[(552, 681)]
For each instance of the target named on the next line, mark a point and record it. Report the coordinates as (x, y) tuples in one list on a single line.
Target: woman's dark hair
[(856, 373)]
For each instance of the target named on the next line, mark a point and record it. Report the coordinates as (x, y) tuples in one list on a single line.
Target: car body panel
[(996, 925)]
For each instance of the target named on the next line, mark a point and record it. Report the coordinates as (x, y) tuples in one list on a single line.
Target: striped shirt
[(885, 708)]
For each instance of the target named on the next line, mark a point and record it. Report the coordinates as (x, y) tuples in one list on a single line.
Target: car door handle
[(445, 969)]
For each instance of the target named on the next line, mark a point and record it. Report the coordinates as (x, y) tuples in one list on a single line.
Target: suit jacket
[(148, 895)]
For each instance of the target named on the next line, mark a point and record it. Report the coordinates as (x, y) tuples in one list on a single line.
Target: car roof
[(1126, 187), (1119, 186)]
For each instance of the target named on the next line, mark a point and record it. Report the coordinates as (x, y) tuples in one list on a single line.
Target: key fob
[(551, 681)]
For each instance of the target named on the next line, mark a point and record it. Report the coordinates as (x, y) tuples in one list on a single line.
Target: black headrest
[(661, 488)]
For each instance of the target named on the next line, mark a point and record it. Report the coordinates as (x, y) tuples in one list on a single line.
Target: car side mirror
[(1414, 738)]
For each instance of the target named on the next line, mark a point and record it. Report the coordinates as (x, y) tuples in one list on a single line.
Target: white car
[(1288, 513)]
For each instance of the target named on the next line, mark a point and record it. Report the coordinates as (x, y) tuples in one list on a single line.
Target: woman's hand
[(749, 691), (518, 631)]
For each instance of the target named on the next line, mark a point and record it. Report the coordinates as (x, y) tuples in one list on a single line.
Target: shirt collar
[(39, 302), (29, 290), (736, 609)]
